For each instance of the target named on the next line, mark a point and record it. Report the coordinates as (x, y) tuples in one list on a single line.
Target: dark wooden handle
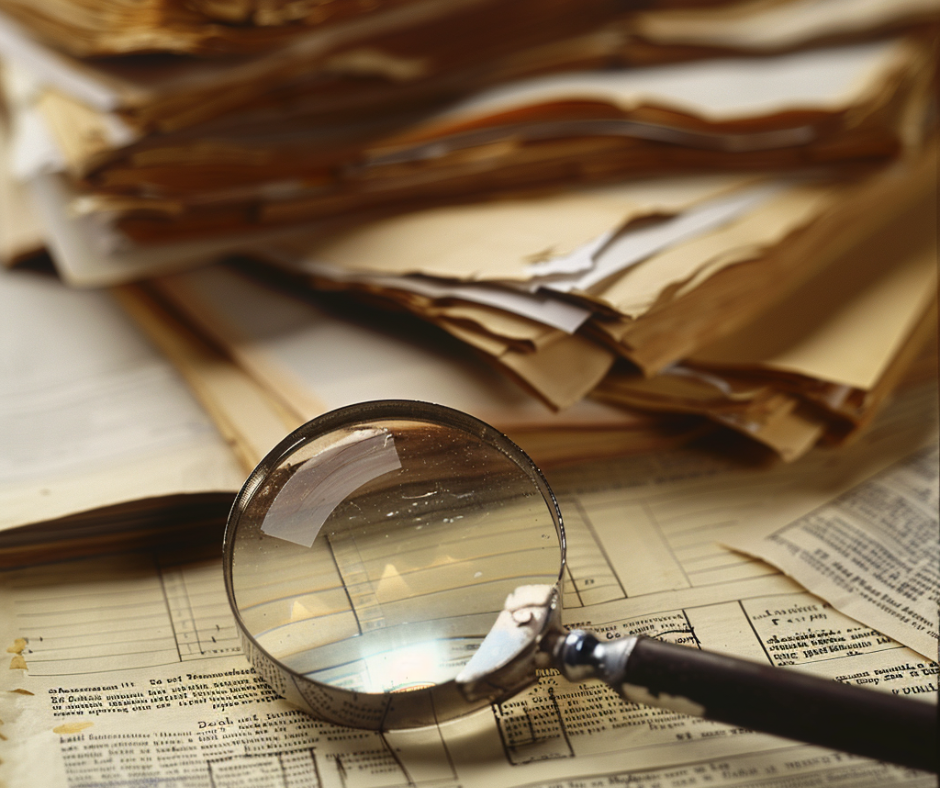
[(788, 703)]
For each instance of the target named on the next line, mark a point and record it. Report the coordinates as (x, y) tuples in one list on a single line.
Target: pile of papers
[(694, 213), (765, 305), (161, 159), (683, 252), (103, 442)]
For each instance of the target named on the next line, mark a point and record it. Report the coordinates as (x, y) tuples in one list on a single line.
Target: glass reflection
[(377, 557)]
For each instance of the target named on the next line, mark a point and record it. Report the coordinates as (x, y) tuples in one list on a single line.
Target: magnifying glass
[(396, 564)]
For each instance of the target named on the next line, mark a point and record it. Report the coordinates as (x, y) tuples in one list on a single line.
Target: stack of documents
[(659, 244), (686, 211), (296, 358), (164, 160), (763, 303), (102, 440)]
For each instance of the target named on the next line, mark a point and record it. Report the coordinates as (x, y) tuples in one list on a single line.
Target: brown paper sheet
[(845, 325), (448, 242)]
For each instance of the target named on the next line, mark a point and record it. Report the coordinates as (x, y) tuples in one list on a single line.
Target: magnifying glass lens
[(375, 553)]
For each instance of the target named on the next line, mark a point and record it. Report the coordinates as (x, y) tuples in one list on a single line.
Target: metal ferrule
[(579, 655)]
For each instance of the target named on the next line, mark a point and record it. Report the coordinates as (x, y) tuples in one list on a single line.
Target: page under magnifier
[(376, 557)]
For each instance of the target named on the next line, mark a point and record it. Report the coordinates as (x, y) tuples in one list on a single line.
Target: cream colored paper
[(301, 352), (502, 240), (772, 25), (114, 654), (91, 415), (251, 419), (871, 551), (21, 234)]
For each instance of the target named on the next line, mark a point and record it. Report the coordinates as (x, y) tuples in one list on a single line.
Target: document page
[(125, 669), (91, 415), (873, 552)]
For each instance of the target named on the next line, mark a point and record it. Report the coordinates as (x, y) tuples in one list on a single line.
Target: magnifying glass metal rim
[(416, 707)]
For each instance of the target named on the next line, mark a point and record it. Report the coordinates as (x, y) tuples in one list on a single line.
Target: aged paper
[(846, 324), (127, 669), (307, 361), (873, 553), (315, 358), (447, 242), (721, 89), (763, 413), (683, 317), (246, 413), (91, 415), (771, 25), (641, 287)]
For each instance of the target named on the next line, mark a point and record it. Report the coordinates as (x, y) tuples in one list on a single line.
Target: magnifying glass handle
[(780, 701)]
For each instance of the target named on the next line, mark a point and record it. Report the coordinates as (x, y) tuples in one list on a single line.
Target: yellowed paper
[(564, 371), (643, 557), (872, 552), (93, 417), (515, 234), (191, 185), (677, 326), (846, 325), (684, 266), (303, 353), (250, 416), (773, 417)]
